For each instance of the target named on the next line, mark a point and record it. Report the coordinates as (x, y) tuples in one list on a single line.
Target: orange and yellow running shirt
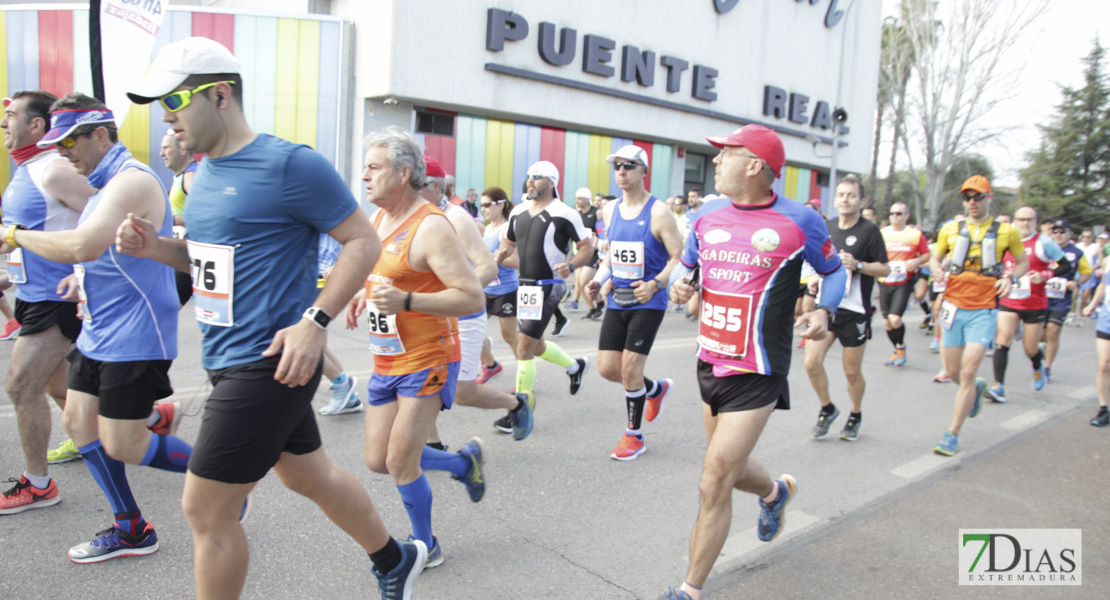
[(409, 341), (901, 247), (970, 289)]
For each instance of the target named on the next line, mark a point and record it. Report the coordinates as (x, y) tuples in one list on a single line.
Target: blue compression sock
[(168, 453), (109, 474), (438, 460), (417, 497)]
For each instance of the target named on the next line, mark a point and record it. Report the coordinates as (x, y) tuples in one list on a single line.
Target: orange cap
[(976, 183)]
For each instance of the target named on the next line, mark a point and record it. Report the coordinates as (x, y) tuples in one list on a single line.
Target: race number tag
[(897, 272), (384, 338), (213, 270), (1056, 288), (725, 322), (529, 302), (82, 299), (947, 314), (1020, 290), (627, 260), (16, 269), (940, 283), (179, 232)]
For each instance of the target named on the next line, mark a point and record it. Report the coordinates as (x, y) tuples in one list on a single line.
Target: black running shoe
[(576, 379), (504, 424)]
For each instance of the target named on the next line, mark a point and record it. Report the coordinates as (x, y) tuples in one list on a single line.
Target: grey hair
[(403, 152), (429, 181)]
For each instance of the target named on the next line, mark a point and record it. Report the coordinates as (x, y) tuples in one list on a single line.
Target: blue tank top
[(130, 304), (506, 278), (27, 203), (635, 254)]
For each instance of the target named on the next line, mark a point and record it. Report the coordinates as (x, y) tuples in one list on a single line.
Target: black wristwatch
[(318, 317)]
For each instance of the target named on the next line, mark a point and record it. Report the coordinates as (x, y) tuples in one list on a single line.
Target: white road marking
[(1024, 420), (921, 465)]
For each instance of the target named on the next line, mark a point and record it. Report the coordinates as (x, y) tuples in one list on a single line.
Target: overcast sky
[(1049, 53)]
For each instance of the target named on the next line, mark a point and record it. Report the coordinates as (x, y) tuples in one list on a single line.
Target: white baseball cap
[(548, 170), (177, 61), (584, 193), (629, 152)]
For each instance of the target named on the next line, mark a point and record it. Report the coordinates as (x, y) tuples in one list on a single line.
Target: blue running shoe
[(997, 393), (521, 418), (1102, 419), (397, 584), (435, 555), (980, 389), (1048, 375), (344, 398), (949, 445), (673, 594), (934, 346), (474, 480), (771, 517), (1039, 379), (113, 543)]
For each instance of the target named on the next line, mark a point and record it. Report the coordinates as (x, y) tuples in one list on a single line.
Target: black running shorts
[(1032, 317), (742, 391), (1057, 317), (851, 328), (127, 390), (36, 317), (501, 306), (894, 298), (552, 293), (250, 419), (633, 330)]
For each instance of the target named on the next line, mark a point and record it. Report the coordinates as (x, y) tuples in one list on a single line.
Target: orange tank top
[(409, 341)]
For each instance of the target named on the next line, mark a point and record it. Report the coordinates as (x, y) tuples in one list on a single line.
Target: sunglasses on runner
[(489, 204), (896, 214), (629, 166), (69, 142), (975, 197), (179, 100)]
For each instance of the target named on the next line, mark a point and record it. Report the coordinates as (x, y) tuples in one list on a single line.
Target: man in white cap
[(644, 247), (583, 276), (541, 229), (252, 252)]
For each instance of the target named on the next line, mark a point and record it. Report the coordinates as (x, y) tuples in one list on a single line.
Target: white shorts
[(472, 332)]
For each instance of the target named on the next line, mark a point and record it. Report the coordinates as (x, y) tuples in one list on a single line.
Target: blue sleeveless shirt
[(636, 254), (506, 278), (27, 203), (130, 304)]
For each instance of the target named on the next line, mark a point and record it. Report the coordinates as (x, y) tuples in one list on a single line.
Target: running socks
[(925, 306), (553, 353), (1001, 360), (417, 498), (39, 482), (386, 559), (109, 474), (341, 380), (651, 387), (898, 335), (635, 402), (828, 409), (168, 453), (438, 460), (525, 375)]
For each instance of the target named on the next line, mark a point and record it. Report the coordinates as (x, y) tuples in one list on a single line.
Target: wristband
[(603, 275), (408, 302), (9, 236), (570, 266)]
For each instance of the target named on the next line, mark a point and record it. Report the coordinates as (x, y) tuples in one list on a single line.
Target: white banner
[(127, 32)]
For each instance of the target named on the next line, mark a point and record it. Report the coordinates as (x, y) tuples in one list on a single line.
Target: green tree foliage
[(1069, 174)]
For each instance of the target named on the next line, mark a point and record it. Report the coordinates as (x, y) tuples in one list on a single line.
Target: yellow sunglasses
[(179, 100), (69, 142)]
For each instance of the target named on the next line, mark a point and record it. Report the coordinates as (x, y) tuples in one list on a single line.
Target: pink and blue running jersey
[(750, 260)]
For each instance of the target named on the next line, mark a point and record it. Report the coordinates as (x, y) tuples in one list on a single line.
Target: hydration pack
[(988, 252)]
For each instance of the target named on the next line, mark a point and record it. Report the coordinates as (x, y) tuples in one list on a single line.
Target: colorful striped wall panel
[(290, 69)]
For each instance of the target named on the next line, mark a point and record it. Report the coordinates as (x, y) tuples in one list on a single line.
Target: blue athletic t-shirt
[(254, 223)]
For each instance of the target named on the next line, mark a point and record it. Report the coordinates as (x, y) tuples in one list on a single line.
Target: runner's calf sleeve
[(1001, 360)]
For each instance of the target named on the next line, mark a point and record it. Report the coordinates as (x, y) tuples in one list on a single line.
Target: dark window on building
[(823, 179), (435, 123), (695, 168)]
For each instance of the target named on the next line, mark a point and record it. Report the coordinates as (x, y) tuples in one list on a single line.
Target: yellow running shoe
[(64, 453)]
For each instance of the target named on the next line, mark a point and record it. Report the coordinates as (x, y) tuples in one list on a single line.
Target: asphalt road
[(561, 520)]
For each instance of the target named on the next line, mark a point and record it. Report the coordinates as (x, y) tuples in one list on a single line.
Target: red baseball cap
[(433, 168), (762, 142)]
